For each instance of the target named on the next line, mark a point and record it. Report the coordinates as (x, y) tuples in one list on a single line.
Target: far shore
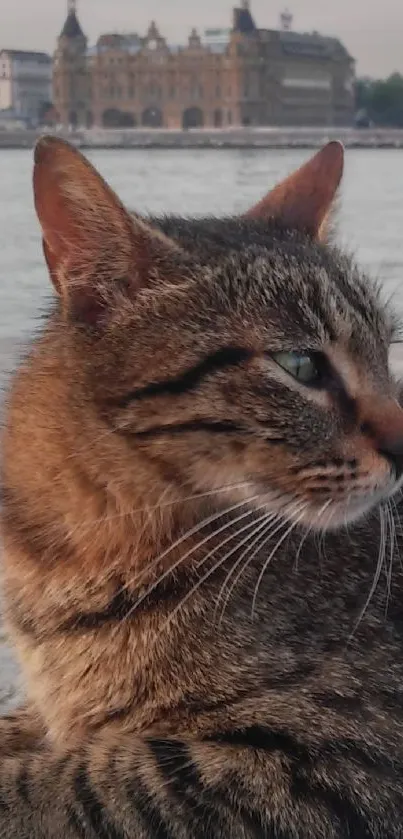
[(200, 138)]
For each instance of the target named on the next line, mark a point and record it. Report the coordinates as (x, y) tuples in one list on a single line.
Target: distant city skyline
[(371, 32)]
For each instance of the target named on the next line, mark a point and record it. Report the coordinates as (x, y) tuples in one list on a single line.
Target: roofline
[(36, 53)]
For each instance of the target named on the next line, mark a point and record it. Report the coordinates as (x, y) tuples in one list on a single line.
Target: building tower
[(242, 18), (286, 20), (71, 81)]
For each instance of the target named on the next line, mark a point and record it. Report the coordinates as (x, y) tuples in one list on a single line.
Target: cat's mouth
[(343, 513), (330, 512)]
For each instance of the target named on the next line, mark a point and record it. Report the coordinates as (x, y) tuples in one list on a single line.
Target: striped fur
[(208, 651)]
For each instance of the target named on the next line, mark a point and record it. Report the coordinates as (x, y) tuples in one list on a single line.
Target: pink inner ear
[(51, 262), (90, 239), (304, 199)]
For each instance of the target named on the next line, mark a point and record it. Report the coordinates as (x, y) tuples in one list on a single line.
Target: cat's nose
[(392, 449), (384, 425)]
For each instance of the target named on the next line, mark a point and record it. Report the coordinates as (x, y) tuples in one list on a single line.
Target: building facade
[(25, 84), (239, 76)]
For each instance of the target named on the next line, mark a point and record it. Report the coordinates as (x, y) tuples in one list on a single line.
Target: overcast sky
[(371, 29)]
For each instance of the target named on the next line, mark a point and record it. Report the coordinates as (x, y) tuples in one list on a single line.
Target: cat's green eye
[(302, 366)]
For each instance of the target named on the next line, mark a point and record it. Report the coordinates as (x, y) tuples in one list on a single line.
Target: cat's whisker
[(233, 536), (394, 499), (199, 583), (389, 565), (346, 513), (397, 523), (329, 510), (148, 517), (139, 577), (113, 517), (79, 451), (294, 524), (299, 510), (377, 574), (272, 521), (309, 530), (262, 520), (188, 553), (261, 540), (256, 536), (303, 539), (204, 522), (322, 530)]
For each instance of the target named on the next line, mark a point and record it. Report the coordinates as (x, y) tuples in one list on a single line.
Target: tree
[(362, 93), (381, 101), (386, 101)]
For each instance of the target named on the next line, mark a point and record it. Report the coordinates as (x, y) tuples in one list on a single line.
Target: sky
[(372, 30)]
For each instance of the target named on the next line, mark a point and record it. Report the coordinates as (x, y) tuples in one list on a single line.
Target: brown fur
[(123, 526)]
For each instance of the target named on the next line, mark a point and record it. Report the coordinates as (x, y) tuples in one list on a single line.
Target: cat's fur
[(195, 668)]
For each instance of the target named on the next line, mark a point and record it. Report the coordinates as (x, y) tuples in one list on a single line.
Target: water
[(193, 182), (198, 182)]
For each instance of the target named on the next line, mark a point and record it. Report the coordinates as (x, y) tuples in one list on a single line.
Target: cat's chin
[(332, 514), (340, 515), (343, 514)]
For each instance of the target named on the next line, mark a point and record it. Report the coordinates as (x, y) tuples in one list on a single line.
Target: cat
[(202, 460)]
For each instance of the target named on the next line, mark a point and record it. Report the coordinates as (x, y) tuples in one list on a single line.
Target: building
[(226, 77), (25, 84), (72, 76)]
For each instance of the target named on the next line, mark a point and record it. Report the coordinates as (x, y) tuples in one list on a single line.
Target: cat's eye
[(306, 367)]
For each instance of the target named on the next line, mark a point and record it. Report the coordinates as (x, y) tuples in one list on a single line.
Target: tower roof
[(243, 20), (72, 28)]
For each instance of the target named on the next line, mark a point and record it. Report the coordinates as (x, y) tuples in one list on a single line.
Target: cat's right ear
[(90, 241), (304, 200)]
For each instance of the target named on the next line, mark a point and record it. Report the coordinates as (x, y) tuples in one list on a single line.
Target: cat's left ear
[(93, 246), (304, 200)]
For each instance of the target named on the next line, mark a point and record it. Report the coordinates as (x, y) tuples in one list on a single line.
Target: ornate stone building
[(71, 73), (240, 76)]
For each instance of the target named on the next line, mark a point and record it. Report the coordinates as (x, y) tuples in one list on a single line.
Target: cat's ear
[(304, 200), (91, 243)]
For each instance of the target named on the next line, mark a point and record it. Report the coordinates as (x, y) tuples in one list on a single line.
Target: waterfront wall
[(309, 138)]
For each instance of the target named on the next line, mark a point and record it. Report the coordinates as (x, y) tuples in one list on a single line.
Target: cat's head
[(244, 358)]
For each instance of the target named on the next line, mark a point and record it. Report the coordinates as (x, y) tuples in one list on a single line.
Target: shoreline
[(235, 138)]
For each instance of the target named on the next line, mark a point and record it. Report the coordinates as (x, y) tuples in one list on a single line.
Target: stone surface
[(236, 138)]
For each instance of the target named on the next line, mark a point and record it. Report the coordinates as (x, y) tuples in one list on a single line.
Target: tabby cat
[(200, 465)]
